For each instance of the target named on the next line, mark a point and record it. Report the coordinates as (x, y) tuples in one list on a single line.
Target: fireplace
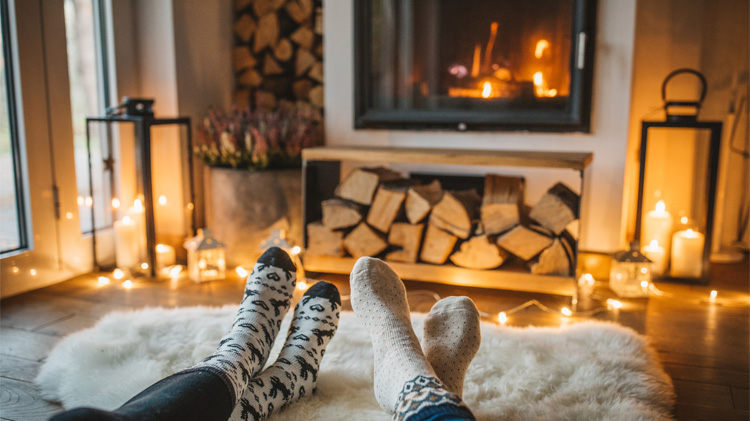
[(479, 65)]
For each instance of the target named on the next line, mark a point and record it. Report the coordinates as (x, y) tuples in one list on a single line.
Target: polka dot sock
[(243, 351), (295, 372), (451, 339)]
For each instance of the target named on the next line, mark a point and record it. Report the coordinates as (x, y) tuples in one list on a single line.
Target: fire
[(541, 45), (486, 90), (541, 86)]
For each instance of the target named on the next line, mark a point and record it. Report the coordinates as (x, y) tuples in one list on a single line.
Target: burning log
[(421, 199), (479, 253), (437, 245), (554, 260), (339, 213), (409, 238), (556, 209), (503, 197), (322, 241), (359, 186), (455, 212), (363, 241), (523, 242)]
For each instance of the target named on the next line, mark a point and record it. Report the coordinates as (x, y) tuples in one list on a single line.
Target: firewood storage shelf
[(322, 173)]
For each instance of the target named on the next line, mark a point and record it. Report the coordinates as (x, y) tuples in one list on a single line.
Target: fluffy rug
[(584, 371)]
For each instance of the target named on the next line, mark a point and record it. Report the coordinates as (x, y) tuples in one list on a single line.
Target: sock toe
[(451, 304), (325, 290), (277, 257)]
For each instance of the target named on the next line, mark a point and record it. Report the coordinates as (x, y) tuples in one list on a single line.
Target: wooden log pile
[(377, 212), (278, 52)]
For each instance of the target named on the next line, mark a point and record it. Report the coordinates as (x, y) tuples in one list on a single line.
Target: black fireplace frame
[(576, 118)]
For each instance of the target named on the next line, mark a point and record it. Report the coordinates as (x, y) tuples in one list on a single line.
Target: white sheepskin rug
[(584, 371)]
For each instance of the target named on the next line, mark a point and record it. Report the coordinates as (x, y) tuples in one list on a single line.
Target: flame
[(684, 220), (138, 205), (654, 244), (502, 318), (162, 200), (541, 45), (477, 59), (126, 220), (115, 203), (660, 206), (541, 86), (486, 90)]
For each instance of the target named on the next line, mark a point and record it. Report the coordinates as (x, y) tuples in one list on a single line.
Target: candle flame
[(684, 220), (115, 203), (660, 206), (654, 244), (713, 295), (161, 248), (541, 45), (502, 318), (138, 205), (690, 233), (612, 303), (162, 200), (126, 220), (486, 90)]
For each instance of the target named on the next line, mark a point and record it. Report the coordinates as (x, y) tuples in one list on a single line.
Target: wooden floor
[(704, 347)]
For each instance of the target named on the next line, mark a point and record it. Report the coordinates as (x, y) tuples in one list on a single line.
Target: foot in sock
[(294, 374), (243, 351), (405, 383), (451, 339)]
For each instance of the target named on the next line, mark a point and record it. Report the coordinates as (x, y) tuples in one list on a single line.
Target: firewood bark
[(385, 207), (339, 213), (267, 33), (554, 260), (360, 185), (409, 238), (283, 50), (304, 37), (455, 212), (421, 199), (437, 245), (501, 203), (523, 242), (322, 241), (479, 253), (556, 209), (363, 241)]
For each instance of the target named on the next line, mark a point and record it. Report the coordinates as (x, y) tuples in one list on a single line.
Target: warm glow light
[(502, 318), (690, 233), (115, 203), (161, 248), (190, 206), (538, 79), (103, 280), (69, 215), (127, 284), (660, 206), (589, 279), (486, 90), (644, 270), (611, 303), (566, 312), (175, 271), (654, 244), (127, 221), (79, 200), (162, 200), (241, 272), (118, 274), (684, 219), (541, 45), (89, 201), (15, 269), (302, 286), (33, 272), (713, 295), (295, 250), (144, 265), (138, 205), (644, 284)]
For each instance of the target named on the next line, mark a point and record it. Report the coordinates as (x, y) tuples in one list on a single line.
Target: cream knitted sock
[(378, 299), (451, 339)]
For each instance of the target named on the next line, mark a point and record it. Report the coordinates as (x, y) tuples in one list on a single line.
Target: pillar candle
[(658, 256), (126, 243), (687, 254), (165, 256), (138, 215), (657, 225)]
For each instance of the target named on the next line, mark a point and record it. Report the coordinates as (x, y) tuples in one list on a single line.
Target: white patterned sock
[(379, 300), (451, 339), (243, 351), (295, 373)]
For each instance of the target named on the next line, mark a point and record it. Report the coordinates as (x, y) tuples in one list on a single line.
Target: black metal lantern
[(141, 229), (677, 188)]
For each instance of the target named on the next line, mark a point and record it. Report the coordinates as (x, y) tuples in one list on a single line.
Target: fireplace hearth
[(485, 65)]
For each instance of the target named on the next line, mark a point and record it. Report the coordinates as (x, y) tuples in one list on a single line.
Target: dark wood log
[(360, 185), (322, 241), (554, 260), (340, 213), (523, 242), (456, 212), (364, 241), (479, 253), (501, 202), (437, 245), (421, 199), (556, 209), (408, 237)]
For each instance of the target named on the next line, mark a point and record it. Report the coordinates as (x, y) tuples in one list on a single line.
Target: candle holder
[(630, 275), (677, 183), (206, 260), (138, 224)]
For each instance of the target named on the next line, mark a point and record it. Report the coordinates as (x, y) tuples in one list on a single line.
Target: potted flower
[(253, 181)]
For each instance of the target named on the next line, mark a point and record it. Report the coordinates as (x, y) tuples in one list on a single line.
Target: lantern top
[(633, 255), (203, 241)]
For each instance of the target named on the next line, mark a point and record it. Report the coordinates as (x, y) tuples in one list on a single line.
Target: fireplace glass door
[(478, 65)]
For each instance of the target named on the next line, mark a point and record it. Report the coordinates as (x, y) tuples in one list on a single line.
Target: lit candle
[(657, 225), (165, 256), (126, 243), (687, 254), (137, 214), (658, 256)]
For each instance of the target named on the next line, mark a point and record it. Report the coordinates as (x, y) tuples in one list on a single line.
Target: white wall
[(603, 198)]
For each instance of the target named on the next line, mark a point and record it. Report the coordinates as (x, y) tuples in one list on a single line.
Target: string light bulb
[(302, 286), (118, 274), (103, 280), (144, 266), (566, 312), (162, 200), (175, 271), (295, 250), (502, 318), (127, 284), (713, 295), (115, 203), (242, 272), (613, 304)]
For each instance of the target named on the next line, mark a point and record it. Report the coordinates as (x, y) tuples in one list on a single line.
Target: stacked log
[(377, 212)]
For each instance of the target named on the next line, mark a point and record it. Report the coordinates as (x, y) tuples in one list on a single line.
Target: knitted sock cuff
[(424, 398)]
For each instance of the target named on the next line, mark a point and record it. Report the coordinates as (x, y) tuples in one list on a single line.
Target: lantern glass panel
[(630, 279)]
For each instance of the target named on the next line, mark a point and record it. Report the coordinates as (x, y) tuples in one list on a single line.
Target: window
[(83, 30), (12, 223)]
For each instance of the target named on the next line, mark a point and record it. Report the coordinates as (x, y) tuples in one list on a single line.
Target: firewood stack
[(376, 212), (278, 51)]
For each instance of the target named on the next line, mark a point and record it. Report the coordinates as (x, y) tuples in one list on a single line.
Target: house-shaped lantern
[(205, 257), (630, 275)]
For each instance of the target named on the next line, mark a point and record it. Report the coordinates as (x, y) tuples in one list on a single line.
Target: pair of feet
[(402, 365)]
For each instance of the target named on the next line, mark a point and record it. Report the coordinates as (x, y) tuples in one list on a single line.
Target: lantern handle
[(697, 104)]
